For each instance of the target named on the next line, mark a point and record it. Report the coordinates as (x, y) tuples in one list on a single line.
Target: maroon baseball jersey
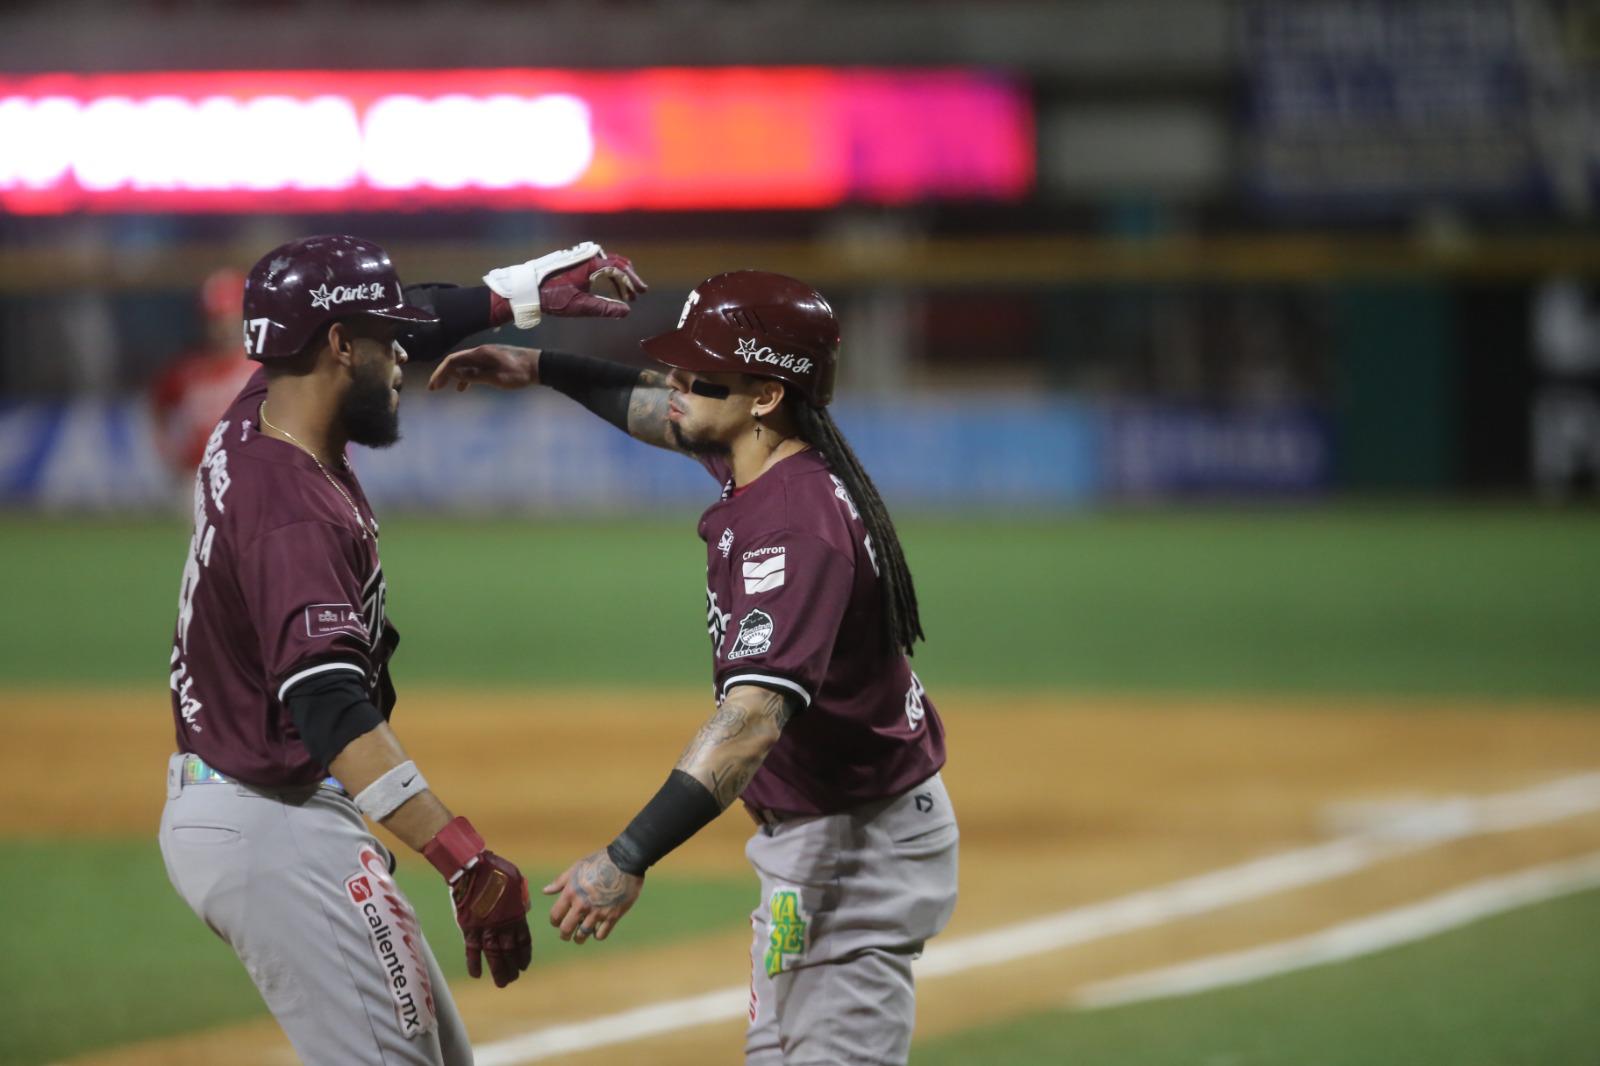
[(282, 583), (794, 602)]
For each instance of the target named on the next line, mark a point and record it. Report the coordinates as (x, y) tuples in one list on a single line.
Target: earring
[(758, 427)]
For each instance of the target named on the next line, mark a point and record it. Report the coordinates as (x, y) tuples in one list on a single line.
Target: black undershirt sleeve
[(677, 812), (602, 386), (330, 710), (462, 312)]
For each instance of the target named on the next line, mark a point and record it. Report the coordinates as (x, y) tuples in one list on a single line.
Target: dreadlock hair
[(902, 626)]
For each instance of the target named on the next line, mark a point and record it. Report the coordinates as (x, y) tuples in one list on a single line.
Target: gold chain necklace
[(261, 412)]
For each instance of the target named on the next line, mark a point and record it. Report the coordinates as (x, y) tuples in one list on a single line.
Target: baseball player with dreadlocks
[(821, 728)]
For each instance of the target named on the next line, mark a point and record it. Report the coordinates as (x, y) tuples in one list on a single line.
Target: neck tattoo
[(261, 413)]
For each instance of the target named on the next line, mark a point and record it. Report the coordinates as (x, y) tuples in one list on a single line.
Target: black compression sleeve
[(330, 710), (462, 312), (681, 809), (602, 386)]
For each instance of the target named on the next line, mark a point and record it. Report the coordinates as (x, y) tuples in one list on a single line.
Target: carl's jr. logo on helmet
[(748, 351), (325, 298)]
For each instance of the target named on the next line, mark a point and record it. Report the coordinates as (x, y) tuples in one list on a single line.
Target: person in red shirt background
[(196, 386)]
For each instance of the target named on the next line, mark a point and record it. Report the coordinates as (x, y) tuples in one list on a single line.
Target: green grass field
[(1518, 989), (1489, 603)]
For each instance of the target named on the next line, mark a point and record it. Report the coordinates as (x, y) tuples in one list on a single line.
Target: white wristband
[(385, 795), (519, 285)]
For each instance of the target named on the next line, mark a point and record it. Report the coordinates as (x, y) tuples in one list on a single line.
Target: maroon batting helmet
[(753, 322), (296, 289)]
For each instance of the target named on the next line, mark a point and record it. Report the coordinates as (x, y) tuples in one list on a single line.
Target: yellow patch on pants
[(789, 925)]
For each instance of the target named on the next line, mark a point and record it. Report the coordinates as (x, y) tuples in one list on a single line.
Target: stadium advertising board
[(652, 139)]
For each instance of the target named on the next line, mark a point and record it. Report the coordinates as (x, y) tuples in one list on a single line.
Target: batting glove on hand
[(491, 901), (581, 281)]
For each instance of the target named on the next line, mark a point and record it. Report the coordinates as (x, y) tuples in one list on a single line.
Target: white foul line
[(620, 1028), (1422, 826), (1363, 936)]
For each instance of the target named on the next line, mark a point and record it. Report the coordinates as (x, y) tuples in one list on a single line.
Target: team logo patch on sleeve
[(755, 635), (396, 939), (326, 619), (789, 928), (763, 570)]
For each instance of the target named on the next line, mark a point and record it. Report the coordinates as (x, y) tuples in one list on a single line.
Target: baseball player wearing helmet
[(281, 691), (820, 727)]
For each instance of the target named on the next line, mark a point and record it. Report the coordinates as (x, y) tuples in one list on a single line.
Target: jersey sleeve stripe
[(309, 671), (766, 679)]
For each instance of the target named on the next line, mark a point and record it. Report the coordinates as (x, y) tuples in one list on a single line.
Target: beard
[(695, 445), (365, 413)]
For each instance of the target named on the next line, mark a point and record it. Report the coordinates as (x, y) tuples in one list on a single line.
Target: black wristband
[(677, 812), (462, 312), (602, 386), (330, 710)]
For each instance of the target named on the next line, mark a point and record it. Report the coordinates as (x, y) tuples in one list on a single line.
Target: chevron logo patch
[(765, 572)]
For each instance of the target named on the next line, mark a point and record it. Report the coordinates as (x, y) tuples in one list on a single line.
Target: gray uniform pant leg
[(847, 902), (297, 886)]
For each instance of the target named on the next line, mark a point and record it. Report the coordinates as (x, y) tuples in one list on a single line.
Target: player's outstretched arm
[(490, 893), (578, 282), (635, 401), (597, 890)]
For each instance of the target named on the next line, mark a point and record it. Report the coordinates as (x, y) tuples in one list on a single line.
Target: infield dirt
[(1063, 801)]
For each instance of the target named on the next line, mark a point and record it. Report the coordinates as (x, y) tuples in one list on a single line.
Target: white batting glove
[(579, 281)]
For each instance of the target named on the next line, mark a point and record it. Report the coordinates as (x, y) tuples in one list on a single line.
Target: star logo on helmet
[(750, 352), (322, 297)]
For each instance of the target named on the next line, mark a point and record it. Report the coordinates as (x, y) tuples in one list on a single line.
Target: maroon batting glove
[(491, 901), (601, 287), (499, 309)]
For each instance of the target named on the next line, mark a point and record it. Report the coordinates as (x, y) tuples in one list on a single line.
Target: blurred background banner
[(1387, 108), (1171, 451), (542, 455), (94, 455), (257, 141)]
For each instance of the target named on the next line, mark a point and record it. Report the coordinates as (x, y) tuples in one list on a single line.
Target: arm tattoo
[(647, 410), (734, 742), (729, 722)]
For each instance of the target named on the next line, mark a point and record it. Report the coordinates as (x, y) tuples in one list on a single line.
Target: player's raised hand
[(581, 281), (591, 898), (501, 365), (600, 287)]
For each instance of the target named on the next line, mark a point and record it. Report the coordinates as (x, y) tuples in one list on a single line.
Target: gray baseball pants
[(301, 891), (847, 902)]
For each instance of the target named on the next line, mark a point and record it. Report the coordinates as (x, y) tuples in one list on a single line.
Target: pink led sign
[(658, 139)]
